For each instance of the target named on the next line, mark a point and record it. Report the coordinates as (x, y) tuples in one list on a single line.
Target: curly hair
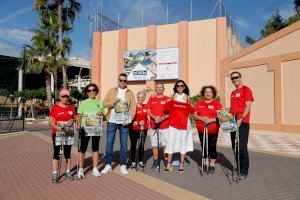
[(91, 85), (213, 89), (186, 88)]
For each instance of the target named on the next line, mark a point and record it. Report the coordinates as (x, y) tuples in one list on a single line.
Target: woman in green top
[(90, 106)]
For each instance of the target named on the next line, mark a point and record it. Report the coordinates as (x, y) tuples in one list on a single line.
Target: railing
[(190, 10)]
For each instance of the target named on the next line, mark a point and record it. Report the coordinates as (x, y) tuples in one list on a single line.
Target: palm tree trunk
[(48, 85), (65, 76), (60, 34), (55, 83)]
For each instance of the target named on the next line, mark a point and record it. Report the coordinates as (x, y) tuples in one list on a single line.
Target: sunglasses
[(180, 86), (122, 80), (65, 96), (93, 90), (234, 77)]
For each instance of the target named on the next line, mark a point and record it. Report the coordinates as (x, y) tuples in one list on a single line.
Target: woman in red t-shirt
[(61, 112), (180, 129), (139, 123), (206, 113)]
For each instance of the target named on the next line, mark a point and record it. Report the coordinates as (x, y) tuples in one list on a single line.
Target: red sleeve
[(74, 111), (248, 94), (218, 105), (148, 105), (196, 106), (167, 106), (53, 112), (192, 109)]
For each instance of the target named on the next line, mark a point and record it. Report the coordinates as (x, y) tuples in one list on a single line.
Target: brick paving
[(270, 176), (25, 171)]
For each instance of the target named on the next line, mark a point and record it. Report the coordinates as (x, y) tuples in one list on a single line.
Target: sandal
[(181, 169), (169, 167)]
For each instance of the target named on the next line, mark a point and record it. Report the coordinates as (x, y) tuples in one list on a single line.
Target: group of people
[(165, 119)]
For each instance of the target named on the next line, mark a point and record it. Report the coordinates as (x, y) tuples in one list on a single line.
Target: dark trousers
[(243, 137), (134, 136), (85, 141), (212, 145), (56, 150)]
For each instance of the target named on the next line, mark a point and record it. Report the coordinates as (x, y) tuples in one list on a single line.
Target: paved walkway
[(274, 173), (26, 168), (278, 143)]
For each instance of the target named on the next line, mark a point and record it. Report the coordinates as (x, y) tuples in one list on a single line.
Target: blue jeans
[(110, 140)]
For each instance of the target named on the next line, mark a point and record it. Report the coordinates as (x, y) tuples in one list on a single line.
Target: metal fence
[(190, 10), (11, 115)]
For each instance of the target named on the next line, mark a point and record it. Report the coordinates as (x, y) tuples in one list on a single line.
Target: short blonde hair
[(140, 94)]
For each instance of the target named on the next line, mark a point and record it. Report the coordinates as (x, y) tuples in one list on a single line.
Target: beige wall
[(202, 54), (137, 39), (197, 42), (109, 68), (261, 83), (291, 92), (287, 44), (271, 68), (167, 36)]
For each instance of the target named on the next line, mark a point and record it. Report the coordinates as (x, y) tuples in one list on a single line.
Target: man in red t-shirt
[(240, 105), (158, 119)]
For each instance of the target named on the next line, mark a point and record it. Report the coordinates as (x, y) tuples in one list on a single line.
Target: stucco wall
[(287, 44), (261, 82), (271, 68), (291, 92), (202, 54), (109, 69)]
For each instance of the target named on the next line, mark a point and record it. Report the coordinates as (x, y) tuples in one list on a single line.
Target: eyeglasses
[(93, 90), (65, 96), (180, 86), (234, 77), (122, 80)]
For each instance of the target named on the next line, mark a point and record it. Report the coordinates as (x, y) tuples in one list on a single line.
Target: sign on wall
[(151, 64)]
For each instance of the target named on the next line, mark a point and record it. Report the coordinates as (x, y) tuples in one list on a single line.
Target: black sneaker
[(142, 165), (204, 168), (211, 169)]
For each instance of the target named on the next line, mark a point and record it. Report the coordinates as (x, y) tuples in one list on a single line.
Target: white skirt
[(179, 140)]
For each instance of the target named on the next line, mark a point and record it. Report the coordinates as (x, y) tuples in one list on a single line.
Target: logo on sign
[(140, 72)]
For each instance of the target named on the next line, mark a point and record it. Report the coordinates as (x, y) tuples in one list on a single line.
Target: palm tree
[(42, 54), (66, 11), (297, 5)]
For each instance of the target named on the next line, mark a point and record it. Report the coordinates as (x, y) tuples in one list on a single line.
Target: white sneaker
[(107, 169), (80, 174), (96, 172), (133, 165), (123, 169)]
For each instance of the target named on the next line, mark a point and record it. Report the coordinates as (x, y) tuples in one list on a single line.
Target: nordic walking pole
[(78, 150), (206, 143), (137, 158), (203, 148), (61, 152), (157, 135), (238, 153)]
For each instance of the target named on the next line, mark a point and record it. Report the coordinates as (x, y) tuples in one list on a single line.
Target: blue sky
[(17, 16)]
